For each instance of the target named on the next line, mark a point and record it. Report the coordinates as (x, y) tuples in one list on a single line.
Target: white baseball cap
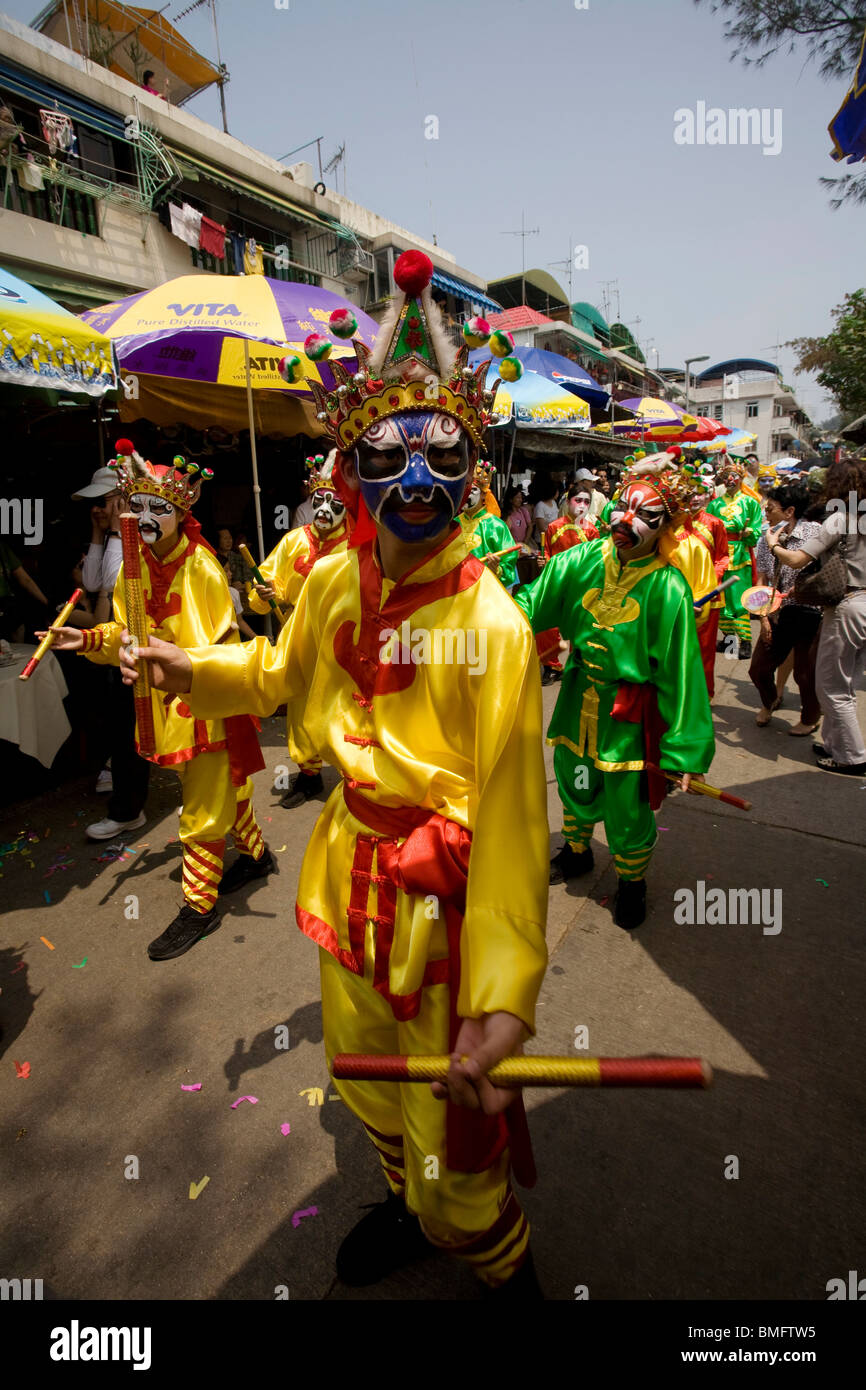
[(102, 484)]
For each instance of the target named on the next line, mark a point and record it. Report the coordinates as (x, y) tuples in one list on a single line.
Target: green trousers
[(734, 617), (616, 798)]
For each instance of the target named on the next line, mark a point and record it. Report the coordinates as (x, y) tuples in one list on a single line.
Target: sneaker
[(570, 863), (245, 870), (522, 1285), (387, 1238), (745, 651), (108, 829), (303, 787), (630, 903), (181, 935), (104, 782), (846, 769)]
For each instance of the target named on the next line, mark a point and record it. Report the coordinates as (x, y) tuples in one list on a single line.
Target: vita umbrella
[(533, 402), (44, 345), (229, 330)]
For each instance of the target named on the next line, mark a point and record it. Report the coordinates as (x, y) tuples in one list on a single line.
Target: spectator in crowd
[(842, 647), (517, 516), (147, 84), (585, 475), (13, 576), (303, 513), (794, 626), (545, 510)]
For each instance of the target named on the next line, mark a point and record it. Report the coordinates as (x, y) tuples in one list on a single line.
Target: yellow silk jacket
[(694, 562), (187, 602), (291, 561), (424, 693)]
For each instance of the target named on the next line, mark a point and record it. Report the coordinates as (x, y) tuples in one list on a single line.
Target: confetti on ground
[(822, 880), (20, 966), (196, 1187), (281, 849), (83, 963), (298, 1216), (285, 1129), (47, 896), (47, 942), (603, 902), (664, 827), (22, 1070), (20, 1135), (196, 1086), (253, 1100)]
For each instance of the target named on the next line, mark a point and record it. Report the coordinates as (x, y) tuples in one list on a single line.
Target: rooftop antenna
[(608, 294), (337, 159), (569, 266), (196, 4), (523, 234)]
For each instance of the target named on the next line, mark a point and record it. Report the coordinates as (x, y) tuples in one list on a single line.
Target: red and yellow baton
[(533, 1071), (703, 788), (136, 626), (48, 640)]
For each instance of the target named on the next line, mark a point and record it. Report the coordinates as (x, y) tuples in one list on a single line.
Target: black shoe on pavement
[(630, 903), (745, 651), (570, 863), (721, 645), (245, 870), (181, 935), (819, 750), (304, 787), (387, 1238), (523, 1285), (846, 769)]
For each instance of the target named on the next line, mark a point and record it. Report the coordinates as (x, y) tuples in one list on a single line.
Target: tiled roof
[(521, 317)]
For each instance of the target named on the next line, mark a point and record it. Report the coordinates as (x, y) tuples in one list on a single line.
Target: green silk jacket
[(739, 513)]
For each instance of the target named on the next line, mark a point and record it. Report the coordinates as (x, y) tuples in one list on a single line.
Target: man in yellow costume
[(187, 601), (407, 665), (285, 571)]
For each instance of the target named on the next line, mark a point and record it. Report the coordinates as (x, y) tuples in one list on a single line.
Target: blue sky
[(567, 115)]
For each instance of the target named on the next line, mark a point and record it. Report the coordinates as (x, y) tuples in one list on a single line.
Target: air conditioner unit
[(301, 173), (354, 263)]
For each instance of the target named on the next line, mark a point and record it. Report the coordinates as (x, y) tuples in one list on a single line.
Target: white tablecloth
[(31, 711)]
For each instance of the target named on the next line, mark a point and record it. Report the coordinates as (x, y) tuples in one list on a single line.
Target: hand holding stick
[(48, 640), (136, 622), (245, 554), (533, 1071), (702, 788)]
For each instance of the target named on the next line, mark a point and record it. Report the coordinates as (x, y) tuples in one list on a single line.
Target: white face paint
[(636, 521), (328, 510), (157, 519), (579, 505), (473, 499)]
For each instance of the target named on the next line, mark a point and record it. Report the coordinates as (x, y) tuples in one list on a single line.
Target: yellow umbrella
[(44, 345)]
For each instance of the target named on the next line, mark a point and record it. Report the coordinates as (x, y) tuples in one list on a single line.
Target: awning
[(68, 291), (46, 94), (197, 167), (464, 291)]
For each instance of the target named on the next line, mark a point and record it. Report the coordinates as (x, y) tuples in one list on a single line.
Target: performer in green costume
[(744, 523), (634, 680), (486, 533)]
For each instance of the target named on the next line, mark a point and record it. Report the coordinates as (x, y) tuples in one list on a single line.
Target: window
[(751, 410), (717, 412), (779, 410)]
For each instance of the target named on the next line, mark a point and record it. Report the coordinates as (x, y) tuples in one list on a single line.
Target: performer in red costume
[(709, 529), (574, 528)]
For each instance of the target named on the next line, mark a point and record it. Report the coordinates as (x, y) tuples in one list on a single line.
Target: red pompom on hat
[(676, 451), (413, 272), (125, 447)]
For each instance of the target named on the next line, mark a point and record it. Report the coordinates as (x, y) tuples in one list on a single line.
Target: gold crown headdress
[(413, 367), (484, 471), (320, 470), (176, 482), (673, 485)]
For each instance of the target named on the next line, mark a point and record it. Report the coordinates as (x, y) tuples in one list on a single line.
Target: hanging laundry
[(186, 224), (236, 242), (30, 176), (212, 238), (254, 263)]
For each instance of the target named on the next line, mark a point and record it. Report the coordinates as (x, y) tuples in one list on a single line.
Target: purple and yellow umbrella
[(649, 412)]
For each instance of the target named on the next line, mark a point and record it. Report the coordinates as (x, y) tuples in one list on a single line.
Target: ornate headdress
[(663, 472), (413, 367), (319, 470), (175, 483), (484, 471), (727, 464)]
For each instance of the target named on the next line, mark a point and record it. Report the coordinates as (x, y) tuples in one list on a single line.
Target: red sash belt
[(432, 860), (638, 704)]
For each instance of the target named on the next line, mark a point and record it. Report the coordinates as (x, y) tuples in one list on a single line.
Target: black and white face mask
[(156, 518), (328, 510)]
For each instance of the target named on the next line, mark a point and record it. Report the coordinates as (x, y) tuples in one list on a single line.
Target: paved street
[(632, 1200)]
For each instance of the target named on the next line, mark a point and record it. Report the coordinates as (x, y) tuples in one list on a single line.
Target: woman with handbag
[(839, 586)]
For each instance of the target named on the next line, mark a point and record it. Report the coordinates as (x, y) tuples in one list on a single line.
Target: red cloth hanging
[(212, 238)]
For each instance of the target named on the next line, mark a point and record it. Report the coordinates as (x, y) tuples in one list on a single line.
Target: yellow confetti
[(47, 942), (280, 850)]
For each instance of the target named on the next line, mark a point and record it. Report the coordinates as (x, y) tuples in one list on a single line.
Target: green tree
[(830, 32), (839, 359)]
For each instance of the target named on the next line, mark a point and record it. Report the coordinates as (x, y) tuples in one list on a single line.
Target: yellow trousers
[(211, 808), (475, 1216)]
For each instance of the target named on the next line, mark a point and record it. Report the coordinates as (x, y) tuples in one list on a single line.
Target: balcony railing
[(61, 205)]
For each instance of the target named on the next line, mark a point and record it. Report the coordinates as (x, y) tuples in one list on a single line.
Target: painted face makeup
[(328, 510), (156, 517), (412, 470), (636, 521), (473, 499), (579, 505)]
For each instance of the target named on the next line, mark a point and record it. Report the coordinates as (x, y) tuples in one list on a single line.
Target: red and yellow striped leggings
[(211, 808)]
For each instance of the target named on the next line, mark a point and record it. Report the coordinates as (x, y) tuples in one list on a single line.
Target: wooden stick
[(48, 640), (533, 1071), (136, 626), (244, 552), (703, 788)]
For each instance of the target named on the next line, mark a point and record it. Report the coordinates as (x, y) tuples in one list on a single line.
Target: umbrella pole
[(510, 459), (256, 489)]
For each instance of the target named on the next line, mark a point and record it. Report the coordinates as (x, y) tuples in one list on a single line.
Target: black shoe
[(245, 869), (522, 1285), (819, 750), (303, 788), (181, 935), (745, 651), (630, 903), (846, 769), (570, 863), (549, 675), (721, 645), (387, 1238)]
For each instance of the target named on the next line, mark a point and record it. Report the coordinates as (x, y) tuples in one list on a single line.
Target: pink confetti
[(22, 1070), (195, 1087), (604, 901), (253, 1100), (285, 1129), (664, 827), (298, 1216)]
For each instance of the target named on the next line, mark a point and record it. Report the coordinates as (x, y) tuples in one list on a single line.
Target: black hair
[(147, 76), (794, 495)]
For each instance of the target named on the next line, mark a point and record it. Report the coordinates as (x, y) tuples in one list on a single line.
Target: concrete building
[(749, 394)]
